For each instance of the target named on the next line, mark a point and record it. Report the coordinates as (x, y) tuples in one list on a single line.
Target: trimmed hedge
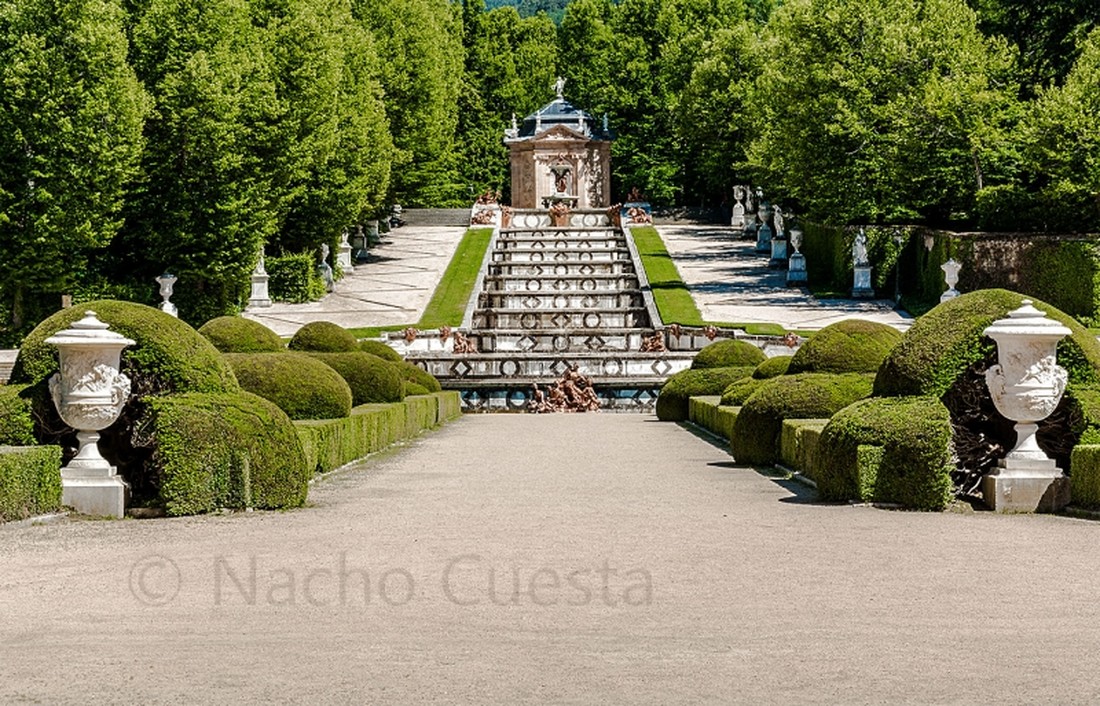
[(412, 389), (728, 354), (772, 367), (890, 450), (381, 350), (849, 346), (236, 334), (331, 443), (294, 278), (301, 386), (740, 390), (30, 481), (323, 337), (945, 342), (707, 412), (755, 439), (226, 451), (798, 440), (370, 378), (16, 417), (1084, 482), (415, 374), (672, 402)]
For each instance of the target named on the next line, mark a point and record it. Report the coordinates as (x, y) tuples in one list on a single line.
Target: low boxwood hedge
[(1084, 482), (370, 378), (849, 346), (301, 386), (728, 353), (16, 417), (233, 450), (672, 402), (890, 450), (323, 337), (381, 350), (755, 438), (236, 334), (30, 481), (413, 389), (414, 373), (773, 367), (740, 390), (707, 412)]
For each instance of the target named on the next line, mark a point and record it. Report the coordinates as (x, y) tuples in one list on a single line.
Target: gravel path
[(650, 569)]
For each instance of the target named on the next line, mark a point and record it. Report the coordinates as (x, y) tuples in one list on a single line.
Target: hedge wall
[(798, 440), (1085, 479), (708, 412), (294, 278), (16, 420), (30, 481)]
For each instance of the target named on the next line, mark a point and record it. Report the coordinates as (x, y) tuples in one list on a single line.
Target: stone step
[(435, 217), (633, 317), (537, 219), (560, 244), (543, 255), (526, 270), (614, 368), (610, 298), (561, 340), (553, 283)]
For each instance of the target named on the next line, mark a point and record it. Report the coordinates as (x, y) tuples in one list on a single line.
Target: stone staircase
[(550, 298), (438, 217)]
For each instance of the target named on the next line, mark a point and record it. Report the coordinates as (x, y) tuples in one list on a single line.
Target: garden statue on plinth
[(951, 276), (259, 296), (1026, 385), (764, 230), (778, 259), (166, 282), (737, 220), (861, 268), (343, 254), (325, 270), (796, 269), (89, 393)]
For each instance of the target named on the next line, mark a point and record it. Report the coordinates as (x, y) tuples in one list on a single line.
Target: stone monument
[(861, 268), (796, 269), (778, 259), (259, 296), (166, 282), (951, 276), (763, 230), (325, 270), (737, 220), (1026, 385), (343, 254)]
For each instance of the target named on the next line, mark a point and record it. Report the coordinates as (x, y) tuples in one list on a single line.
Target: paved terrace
[(650, 570)]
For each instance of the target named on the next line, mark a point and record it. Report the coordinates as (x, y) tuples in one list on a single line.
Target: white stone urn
[(1026, 385), (89, 392), (951, 276), (166, 282)]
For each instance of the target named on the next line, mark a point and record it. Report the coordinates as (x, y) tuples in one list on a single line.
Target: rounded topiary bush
[(887, 449), (412, 389), (370, 378), (850, 346), (773, 367), (728, 353), (755, 438), (737, 392), (323, 337), (236, 334), (420, 376), (381, 350), (672, 402), (228, 450), (301, 386)]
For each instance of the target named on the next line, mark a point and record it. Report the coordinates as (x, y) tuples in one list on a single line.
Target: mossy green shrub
[(1084, 401), (772, 367), (30, 483), (301, 386), (798, 442), (849, 346), (381, 350), (755, 439), (728, 354), (370, 378), (230, 450), (944, 343), (421, 412), (323, 337), (16, 417), (412, 389), (294, 278), (672, 402), (707, 412), (738, 391), (236, 334), (1084, 482), (913, 466), (414, 373), (168, 356)]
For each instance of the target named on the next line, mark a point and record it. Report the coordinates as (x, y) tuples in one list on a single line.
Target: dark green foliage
[(1085, 400), (294, 278), (412, 389), (738, 391), (381, 350), (30, 483), (672, 402), (323, 337), (370, 378), (1085, 479), (755, 438), (945, 342), (890, 450), (235, 334), (16, 420), (772, 367), (301, 386), (226, 451), (415, 374), (850, 346), (727, 354)]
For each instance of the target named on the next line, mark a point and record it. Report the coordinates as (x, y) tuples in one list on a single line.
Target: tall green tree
[(71, 113)]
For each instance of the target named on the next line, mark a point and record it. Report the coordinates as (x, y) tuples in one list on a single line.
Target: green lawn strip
[(670, 293)]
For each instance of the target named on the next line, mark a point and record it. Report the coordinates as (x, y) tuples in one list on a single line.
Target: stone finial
[(951, 270)]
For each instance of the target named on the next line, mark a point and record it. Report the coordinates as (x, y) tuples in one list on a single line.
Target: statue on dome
[(559, 88)]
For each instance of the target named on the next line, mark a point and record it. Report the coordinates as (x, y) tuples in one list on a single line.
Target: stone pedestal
[(259, 296), (737, 220), (764, 238), (1023, 494), (97, 495), (796, 270), (861, 283), (343, 255), (778, 260)]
